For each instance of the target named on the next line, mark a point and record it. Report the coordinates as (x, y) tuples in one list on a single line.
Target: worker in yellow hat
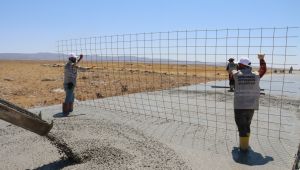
[(246, 96)]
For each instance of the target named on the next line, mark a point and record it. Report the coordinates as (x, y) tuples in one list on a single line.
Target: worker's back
[(70, 72), (247, 91)]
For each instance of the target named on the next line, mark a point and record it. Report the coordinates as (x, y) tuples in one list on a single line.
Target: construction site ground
[(135, 132)]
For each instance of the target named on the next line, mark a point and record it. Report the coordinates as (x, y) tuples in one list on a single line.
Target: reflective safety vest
[(247, 90)]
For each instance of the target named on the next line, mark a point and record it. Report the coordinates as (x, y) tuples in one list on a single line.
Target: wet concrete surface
[(152, 131), (84, 143)]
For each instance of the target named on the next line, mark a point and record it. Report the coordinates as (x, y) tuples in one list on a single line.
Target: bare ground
[(40, 83)]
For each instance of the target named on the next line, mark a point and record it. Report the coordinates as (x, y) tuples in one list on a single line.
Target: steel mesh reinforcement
[(181, 75)]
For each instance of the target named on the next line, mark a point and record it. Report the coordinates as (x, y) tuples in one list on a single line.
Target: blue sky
[(36, 25)]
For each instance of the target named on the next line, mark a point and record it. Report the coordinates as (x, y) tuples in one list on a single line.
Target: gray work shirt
[(231, 67), (247, 91), (70, 72)]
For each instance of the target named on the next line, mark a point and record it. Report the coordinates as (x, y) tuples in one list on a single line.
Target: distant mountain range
[(29, 56), (56, 56)]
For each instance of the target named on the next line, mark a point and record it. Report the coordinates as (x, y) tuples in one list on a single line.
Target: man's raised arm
[(262, 65)]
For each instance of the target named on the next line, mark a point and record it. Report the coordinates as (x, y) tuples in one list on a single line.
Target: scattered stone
[(47, 79), (124, 88), (84, 69), (52, 65), (59, 90), (84, 78), (57, 65), (99, 95), (46, 65), (8, 79)]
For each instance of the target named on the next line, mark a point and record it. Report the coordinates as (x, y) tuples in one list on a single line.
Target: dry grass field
[(40, 83)]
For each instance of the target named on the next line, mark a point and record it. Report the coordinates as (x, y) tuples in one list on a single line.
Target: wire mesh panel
[(181, 75)]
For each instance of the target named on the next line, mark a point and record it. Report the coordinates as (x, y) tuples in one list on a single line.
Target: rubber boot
[(65, 108), (70, 107), (244, 143)]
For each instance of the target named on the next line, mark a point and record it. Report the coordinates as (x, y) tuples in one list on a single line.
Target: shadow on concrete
[(59, 164), (251, 158), (61, 115), (206, 138)]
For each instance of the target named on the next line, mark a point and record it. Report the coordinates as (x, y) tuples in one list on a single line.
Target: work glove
[(70, 85), (260, 56)]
